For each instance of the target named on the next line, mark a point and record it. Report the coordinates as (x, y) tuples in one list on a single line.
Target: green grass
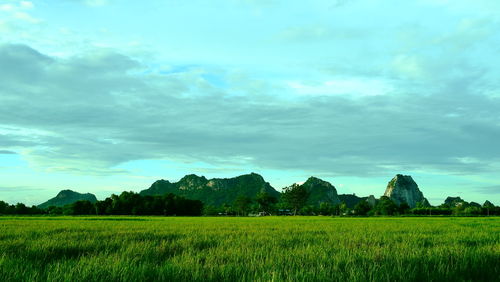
[(262, 249)]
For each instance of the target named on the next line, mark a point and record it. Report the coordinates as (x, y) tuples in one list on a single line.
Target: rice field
[(249, 249)]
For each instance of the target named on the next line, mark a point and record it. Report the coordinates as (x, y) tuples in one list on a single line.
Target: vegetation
[(293, 200), (295, 197), (130, 203), (213, 192), (243, 249)]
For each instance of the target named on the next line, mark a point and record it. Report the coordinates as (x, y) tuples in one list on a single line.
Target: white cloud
[(409, 66), (7, 7), (96, 3), (343, 86), (27, 5), (25, 17)]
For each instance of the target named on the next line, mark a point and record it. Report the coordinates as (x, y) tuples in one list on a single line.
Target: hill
[(403, 189), (216, 191), (66, 197), (320, 191)]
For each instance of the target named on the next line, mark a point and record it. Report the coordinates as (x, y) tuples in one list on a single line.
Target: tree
[(385, 206), (362, 208), (404, 208), (265, 201), (295, 197), (3, 207), (326, 208), (488, 206), (241, 204), (343, 208), (22, 209)]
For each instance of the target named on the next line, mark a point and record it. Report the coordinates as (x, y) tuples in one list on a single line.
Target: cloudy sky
[(104, 96)]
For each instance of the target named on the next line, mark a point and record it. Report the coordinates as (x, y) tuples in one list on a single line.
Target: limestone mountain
[(320, 191), (216, 191), (454, 201), (351, 200), (371, 201), (402, 188), (66, 197)]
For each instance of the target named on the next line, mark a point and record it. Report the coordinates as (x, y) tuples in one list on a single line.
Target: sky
[(103, 96)]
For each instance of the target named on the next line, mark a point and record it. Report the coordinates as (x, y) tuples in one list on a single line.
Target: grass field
[(267, 248)]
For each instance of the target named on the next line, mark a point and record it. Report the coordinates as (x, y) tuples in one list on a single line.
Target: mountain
[(66, 197), (216, 191), (320, 191), (371, 201), (454, 201), (402, 188), (351, 200)]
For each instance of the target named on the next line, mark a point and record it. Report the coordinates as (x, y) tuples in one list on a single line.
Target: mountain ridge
[(215, 191), (67, 196)]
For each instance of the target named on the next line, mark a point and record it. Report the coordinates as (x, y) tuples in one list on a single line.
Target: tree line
[(127, 203), (293, 201)]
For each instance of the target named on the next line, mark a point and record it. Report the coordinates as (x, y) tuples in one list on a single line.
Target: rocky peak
[(316, 181), (371, 200), (402, 188), (454, 201), (254, 176), (65, 193), (320, 191), (70, 194), (191, 181)]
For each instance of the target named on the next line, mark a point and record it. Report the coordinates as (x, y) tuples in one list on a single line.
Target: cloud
[(489, 190), (27, 4), (10, 189), (93, 112), (92, 3), (7, 152), (344, 86)]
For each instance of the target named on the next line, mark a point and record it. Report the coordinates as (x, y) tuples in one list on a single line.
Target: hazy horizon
[(104, 96)]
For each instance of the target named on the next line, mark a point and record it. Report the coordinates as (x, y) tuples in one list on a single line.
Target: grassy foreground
[(268, 248)]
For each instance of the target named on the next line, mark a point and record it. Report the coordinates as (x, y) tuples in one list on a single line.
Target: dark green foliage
[(130, 203), (431, 211), (350, 199), (385, 206), (242, 205), (266, 202), (295, 197), (404, 208), (326, 209), (66, 197), (79, 208), (362, 208), (19, 208)]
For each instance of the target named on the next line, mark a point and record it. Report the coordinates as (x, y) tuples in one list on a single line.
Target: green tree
[(242, 204), (326, 208), (385, 206), (488, 206), (265, 201), (404, 208), (295, 197), (362, 208)]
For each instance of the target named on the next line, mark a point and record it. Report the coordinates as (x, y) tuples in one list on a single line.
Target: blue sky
[(104, 96)]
